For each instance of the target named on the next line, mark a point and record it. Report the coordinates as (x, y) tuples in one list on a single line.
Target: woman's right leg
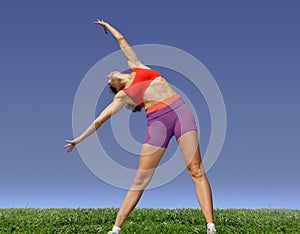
[(149, 159)]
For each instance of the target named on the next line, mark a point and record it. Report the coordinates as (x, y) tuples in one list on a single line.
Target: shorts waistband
[(160, 105), (172, 107)]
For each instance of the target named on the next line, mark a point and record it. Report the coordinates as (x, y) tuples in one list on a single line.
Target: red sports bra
[(141, 81)]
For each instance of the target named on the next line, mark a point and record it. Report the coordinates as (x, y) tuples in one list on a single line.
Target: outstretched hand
[(104, 25), (70, 146)]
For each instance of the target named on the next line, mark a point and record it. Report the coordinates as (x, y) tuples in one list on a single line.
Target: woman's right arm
[(111, 109), (132, 58)]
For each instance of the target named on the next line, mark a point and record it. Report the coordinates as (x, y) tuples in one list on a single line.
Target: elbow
[(120, 37), (97, 123)]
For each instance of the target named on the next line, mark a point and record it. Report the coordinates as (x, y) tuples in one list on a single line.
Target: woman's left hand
[(104, 25)]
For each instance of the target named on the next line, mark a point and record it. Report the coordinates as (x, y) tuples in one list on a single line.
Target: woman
[(167, 115)]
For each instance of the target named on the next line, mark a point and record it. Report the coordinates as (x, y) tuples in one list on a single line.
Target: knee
[(196, 173)]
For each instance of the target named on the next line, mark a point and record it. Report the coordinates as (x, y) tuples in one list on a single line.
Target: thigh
[(189, 145), (150, 156), (149, 160), (185, 121)]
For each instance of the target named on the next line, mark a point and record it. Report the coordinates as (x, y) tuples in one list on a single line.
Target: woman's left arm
[(111, 109), (132, 58)]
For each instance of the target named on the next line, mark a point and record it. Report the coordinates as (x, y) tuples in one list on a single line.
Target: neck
[(128, 80)]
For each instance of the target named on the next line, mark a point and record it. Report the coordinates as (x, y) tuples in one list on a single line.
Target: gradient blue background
[(250, 47)]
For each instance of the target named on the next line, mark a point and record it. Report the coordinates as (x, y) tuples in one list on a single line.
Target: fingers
[(70, 146), (71, 141), (70, 150), (99, 22)]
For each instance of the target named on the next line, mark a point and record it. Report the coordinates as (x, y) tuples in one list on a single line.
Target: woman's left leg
[(149, 159), (190, 148)]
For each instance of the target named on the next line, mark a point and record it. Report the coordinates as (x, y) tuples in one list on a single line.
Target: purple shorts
[(175, 119)]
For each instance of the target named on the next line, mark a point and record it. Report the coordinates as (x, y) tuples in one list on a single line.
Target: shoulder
[(120, 95), (120, 99)]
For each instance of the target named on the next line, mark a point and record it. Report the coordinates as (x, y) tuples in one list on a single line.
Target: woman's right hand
[(104, 25), (70, 146)]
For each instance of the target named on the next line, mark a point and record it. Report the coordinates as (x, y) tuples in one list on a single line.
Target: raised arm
[(111, 109), (132, 58)]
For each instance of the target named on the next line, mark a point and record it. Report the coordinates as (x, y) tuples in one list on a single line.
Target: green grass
[(143, 221)]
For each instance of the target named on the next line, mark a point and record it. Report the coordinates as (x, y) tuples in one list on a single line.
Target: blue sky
[(251, 48)]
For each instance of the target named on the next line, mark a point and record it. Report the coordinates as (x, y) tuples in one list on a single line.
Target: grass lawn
[(143, 221)]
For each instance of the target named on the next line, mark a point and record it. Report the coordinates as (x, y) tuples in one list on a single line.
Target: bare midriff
[(158, 95)]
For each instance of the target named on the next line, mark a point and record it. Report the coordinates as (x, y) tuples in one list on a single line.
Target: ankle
[(116, 229), (211, 226)]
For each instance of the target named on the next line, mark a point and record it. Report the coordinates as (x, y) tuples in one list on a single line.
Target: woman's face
[(114, 79)]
